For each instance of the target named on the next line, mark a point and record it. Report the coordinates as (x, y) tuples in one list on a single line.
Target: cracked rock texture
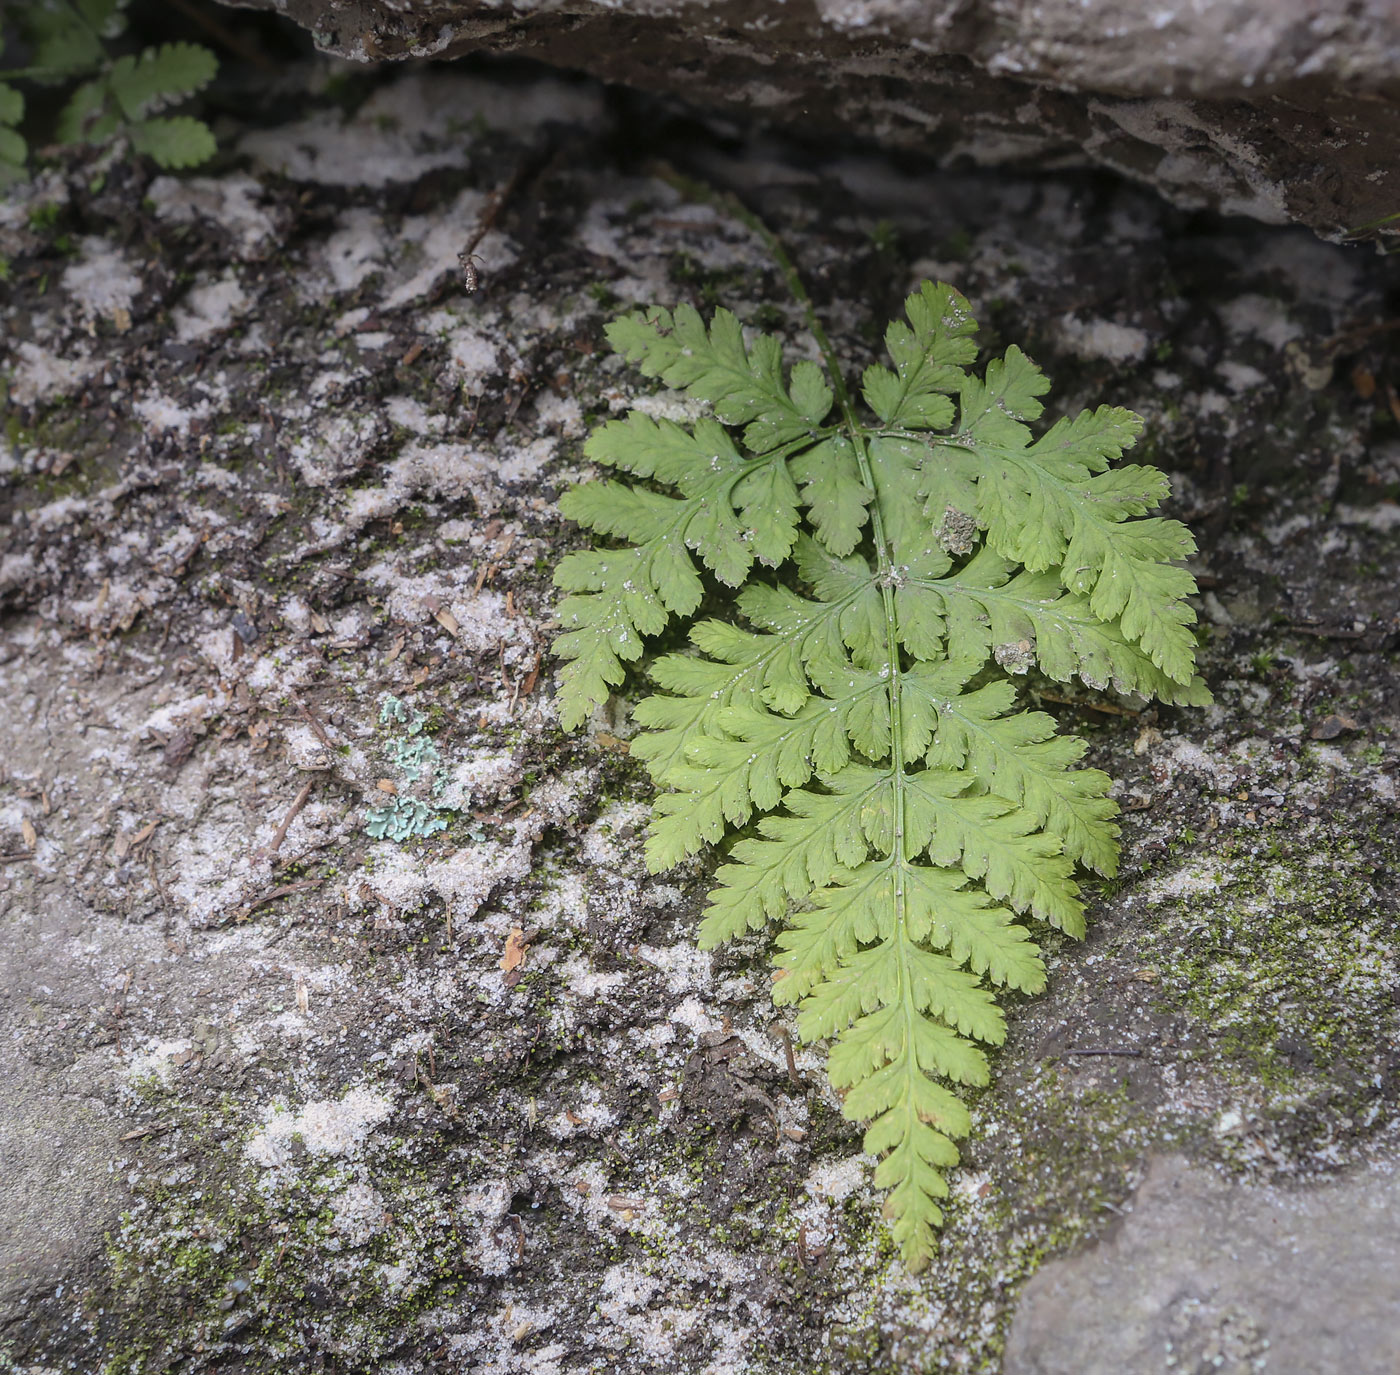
[(1284, 110), (272, 1096)]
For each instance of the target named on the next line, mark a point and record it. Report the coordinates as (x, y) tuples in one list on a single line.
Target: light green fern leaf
[(901, 819), (11, 105), (158, 76), (743, 382), (173, 141), (13, 149)]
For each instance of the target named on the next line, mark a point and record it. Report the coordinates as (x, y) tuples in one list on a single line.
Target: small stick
[(1323, 632), (484, 223), (286, 890), (536, 163), (315, 725), (224, 35), (291, 816), (1107, 708), (794, 1073), (155, 878), (158, 1129)]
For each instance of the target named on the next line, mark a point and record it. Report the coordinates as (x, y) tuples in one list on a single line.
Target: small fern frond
[(88, 116), (901, 817), (118, 95), (11, 105), (65, 39)]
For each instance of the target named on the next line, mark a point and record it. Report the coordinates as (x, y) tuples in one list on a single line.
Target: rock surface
[(1191, 1280), (1284, 110), (269, 1095)]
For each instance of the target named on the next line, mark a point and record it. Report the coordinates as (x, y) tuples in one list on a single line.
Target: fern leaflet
[(899, 814)]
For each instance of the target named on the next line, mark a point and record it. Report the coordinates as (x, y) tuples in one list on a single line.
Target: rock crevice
[(1283, 110)]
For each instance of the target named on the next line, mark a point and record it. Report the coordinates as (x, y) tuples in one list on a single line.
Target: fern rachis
[(898, 812)]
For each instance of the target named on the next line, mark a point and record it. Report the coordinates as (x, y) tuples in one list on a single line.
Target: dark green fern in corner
[(900, 817), (121, 96)]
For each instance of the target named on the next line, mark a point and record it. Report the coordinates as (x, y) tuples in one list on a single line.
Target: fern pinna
[(911, 819)]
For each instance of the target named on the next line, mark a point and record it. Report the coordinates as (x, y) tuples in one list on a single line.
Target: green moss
[(1283, 962), (191, 1267)]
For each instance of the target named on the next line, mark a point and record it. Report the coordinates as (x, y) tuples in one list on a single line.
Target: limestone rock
[(1206, 1274), (265, 1086), (1284, 110)]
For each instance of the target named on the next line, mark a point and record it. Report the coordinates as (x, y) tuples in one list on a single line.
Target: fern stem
[(885, 573), (55, 73), (696, 190)]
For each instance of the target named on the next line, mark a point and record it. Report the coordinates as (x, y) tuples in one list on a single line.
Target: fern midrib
[(977, 592), (884, 569), (884, 565)]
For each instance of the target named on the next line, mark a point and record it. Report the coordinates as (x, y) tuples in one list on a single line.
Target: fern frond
[(105, 16), (119, 94), (88, 115), (13, 149), (904, 820), (63, 40)]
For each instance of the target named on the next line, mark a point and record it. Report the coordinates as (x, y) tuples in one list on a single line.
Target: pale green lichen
[(401, 819), (415, 756)]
